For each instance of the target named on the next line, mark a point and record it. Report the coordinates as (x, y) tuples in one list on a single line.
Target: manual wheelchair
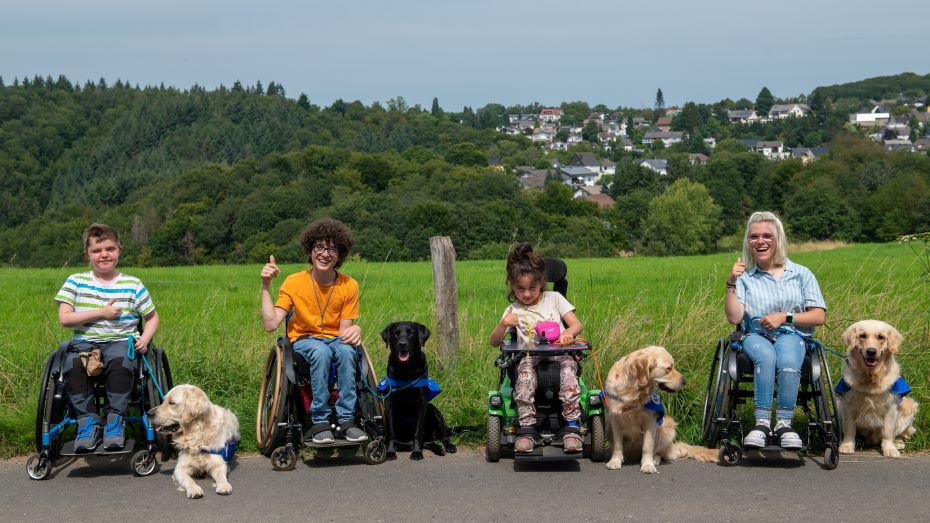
[(284, 407), (502, 417), (731, 383), (56, 423)]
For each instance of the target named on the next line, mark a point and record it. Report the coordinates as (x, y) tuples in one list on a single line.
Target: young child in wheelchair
[(104, 307), (530, 305), (323, 306)]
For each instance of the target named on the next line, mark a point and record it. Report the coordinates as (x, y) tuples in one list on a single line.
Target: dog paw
[(648, 468), (614, 464), (224, 490), (391, 456), (848, 448), (889, 450), (416, 455), (195, 492), (450, 448)]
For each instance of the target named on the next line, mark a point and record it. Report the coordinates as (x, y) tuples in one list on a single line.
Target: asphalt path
[(464, 487)]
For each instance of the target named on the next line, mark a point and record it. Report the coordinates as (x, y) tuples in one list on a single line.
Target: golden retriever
[(870, 407), (635, 430), (203, 433)]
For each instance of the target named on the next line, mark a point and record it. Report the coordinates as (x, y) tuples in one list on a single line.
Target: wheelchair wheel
[(162, 377), (372, 407), (283, 458), (492, 449), (598, 439), (730, 454), (830, 410), (716, 398), (144, 463), (375, 452), (271, 401), (831, 457), (51, 409), (38, 467)]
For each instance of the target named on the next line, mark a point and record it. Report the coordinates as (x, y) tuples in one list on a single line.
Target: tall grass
[(212, 332)]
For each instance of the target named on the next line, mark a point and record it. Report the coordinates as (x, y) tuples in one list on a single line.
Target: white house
[(659, 166), (550, 114), (742, 116), (877, 117), (667, 137), (779, 111), (578, 176), (771, 150)]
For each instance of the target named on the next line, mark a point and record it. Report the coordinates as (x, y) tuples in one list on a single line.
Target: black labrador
[(412, 421)]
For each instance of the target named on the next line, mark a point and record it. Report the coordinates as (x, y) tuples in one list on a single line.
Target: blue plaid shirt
[(795, 291)]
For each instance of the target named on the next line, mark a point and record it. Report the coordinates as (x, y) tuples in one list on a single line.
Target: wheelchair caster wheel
[(38, 467), (144, 463), (730, 455), (375, 452), (831, 458), (283, 458)]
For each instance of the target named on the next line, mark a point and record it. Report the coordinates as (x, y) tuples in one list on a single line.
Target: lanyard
[(322, 308)]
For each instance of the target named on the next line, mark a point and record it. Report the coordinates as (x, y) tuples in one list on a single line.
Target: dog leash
[(391, 388), (131, 354)]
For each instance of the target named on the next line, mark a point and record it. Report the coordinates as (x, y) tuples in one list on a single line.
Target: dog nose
[(870, 352)]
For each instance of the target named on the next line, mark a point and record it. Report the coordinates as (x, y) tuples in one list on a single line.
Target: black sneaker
[(352, 433), (88, 434)]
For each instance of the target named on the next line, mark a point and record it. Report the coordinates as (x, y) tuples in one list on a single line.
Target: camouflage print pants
[(524, 390)]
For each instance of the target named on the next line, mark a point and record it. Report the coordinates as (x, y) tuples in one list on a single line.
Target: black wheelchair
[(502, 416), (730, 385), (284, 408), (56, 423)]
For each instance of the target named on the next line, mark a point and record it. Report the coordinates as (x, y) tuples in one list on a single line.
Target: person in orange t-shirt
[(322, 328)]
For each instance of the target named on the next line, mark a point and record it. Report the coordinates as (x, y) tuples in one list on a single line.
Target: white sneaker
[(787, 437), (758, 436)]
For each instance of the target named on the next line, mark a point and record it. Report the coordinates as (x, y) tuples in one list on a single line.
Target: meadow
[(212, 332)]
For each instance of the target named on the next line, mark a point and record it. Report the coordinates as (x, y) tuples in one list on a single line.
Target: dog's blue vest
[(900, 387), (227, 451), (653, 405), (390, 385)]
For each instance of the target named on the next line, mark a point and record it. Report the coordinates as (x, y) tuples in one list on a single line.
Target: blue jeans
[(320, 353), (118, 377), (782, 359)]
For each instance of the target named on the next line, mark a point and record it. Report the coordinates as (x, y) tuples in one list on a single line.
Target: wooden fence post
[(447, 317)]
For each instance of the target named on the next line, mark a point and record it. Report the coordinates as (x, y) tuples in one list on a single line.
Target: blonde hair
[(781, 241)]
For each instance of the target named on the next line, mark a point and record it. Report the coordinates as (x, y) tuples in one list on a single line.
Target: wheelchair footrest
[(68, 449), (337, 443), (769, 449), (547, 453)]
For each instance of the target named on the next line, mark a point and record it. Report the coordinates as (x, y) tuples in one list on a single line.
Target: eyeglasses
[(756, 238), (320, 249)]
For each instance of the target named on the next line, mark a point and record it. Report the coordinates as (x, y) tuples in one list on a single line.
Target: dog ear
[(196, 405), (849, 336), (423, 333), (894, 339), (386, 333)]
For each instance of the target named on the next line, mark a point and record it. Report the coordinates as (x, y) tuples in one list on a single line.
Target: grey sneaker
[(88, 434), (787, 437), (758, 436), (323, 437), (352, 433), (114, 433)]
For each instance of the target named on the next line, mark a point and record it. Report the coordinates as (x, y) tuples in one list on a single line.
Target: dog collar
[(227, 451)]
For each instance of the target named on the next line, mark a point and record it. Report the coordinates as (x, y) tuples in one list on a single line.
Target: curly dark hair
[(327, 230), (524, 261)]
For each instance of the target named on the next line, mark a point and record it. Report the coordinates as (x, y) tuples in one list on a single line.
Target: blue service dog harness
[(654, 404), (389, 386), (899, 388), (227, 451)]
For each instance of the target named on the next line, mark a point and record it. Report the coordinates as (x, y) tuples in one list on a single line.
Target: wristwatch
[(789, 318)]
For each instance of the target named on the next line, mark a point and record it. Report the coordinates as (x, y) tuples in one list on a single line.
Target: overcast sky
[(474, 52)]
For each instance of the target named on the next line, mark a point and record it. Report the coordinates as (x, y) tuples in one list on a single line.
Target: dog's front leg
[(648, 461), (889, 450), (417, 453), (616, 443), (218, 473), (389, 429), (186, 482), (848, 446)]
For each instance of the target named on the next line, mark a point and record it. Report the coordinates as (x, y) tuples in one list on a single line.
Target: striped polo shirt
[(83, 292), (795, 291)]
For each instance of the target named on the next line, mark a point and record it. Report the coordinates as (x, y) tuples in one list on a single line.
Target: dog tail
[(702, 454)]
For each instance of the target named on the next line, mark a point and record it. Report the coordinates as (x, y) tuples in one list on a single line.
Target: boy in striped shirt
[(104, 307)]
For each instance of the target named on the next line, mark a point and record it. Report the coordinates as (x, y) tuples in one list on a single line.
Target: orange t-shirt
[(306, 299)]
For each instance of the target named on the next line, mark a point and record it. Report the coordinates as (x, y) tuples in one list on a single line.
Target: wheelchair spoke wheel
[(161, 378), (51, 408), (371, 383), (375, 452), (271, 401), (730, 454), (144, 463), (716, 399), (598, 439), (492, 450), (38, 467)]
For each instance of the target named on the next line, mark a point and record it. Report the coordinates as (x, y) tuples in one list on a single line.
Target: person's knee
[(75, 376), (119, 373)]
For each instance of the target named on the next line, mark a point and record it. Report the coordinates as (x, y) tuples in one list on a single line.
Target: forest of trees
[(231, 175)]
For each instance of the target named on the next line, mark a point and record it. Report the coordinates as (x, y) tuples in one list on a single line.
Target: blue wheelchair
[(284, 408), (56, 423), (730, 385)]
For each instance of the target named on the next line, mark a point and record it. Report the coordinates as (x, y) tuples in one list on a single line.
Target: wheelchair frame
[(721, 422), (55, 418), (282, 418)]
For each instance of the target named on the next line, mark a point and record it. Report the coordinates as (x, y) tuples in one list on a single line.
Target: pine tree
[(764, 102), (660, 100), (303, 102), (435, 110)]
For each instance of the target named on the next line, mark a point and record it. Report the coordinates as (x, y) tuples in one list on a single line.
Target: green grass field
[(212, 332)]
